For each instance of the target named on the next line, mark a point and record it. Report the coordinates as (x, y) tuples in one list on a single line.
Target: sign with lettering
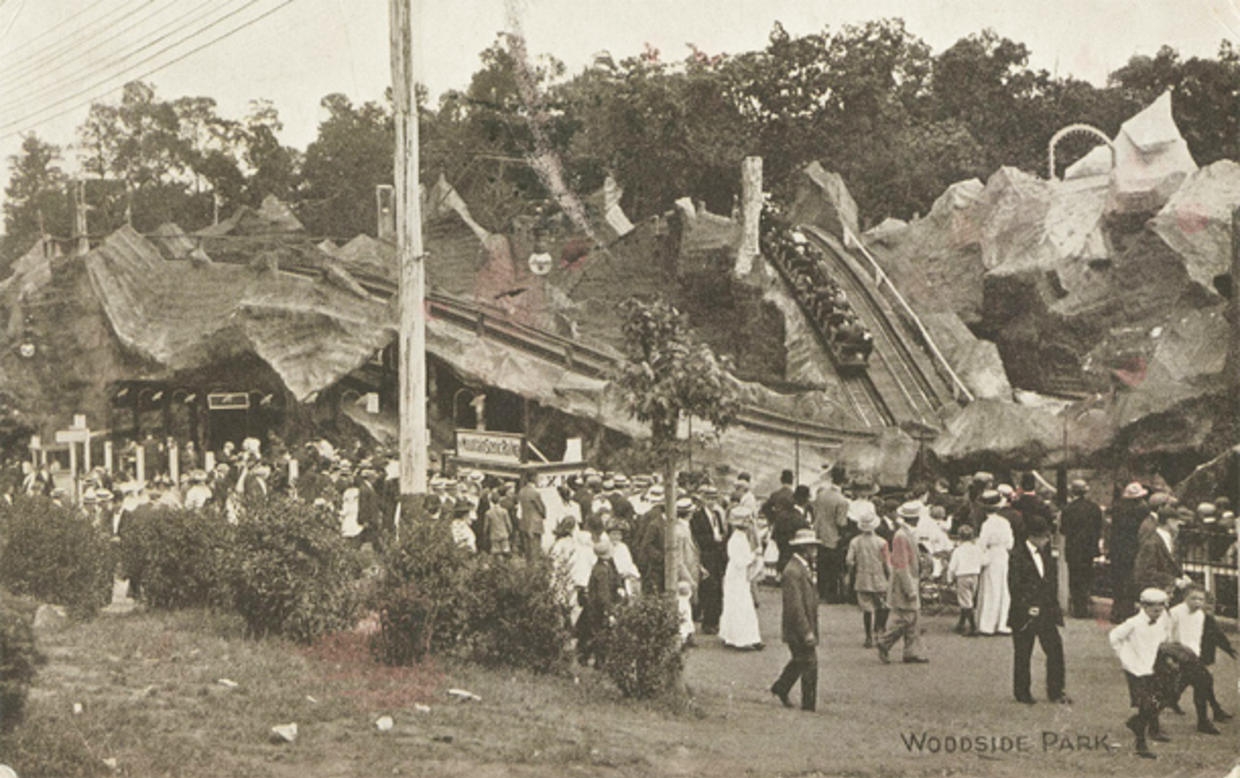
[(228, 401), (489, 446)]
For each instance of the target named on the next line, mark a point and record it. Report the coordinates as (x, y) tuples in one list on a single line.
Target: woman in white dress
[(738, 625), (995, 540)]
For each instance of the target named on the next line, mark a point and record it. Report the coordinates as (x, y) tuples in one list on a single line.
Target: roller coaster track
[(493, 322), (917, 397)]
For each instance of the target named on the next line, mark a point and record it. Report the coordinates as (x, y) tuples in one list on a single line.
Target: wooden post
[(107, 456), (79, 217), (140, 463), (174, 462), (294, 470), (412, 360), (86, 463), (73, 473), (1233, 345), (35, 446), (208, 460)]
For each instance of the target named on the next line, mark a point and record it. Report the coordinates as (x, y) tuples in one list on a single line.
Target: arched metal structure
[(1072, 129)]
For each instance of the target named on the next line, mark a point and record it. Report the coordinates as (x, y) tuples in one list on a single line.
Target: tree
[(350, 157), (35, 199), (668, 376)]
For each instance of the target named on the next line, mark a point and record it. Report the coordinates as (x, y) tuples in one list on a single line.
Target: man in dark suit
[(1034, 585), (780, 512), (1127, 513), (1082, 525), (708, 530), (1155, 564), (800, 621)]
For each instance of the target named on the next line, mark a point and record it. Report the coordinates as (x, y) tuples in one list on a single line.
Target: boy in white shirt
[(964, 568), (1136, 642), (1196, 630)]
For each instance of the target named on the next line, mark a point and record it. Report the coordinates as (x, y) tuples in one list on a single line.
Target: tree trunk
[(669, 525)]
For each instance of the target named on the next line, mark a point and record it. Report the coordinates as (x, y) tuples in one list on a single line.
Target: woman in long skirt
[(738, 624), (995, 540)]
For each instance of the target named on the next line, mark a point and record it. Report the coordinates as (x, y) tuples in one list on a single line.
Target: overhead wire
[(53, 30), (48, 61), (13, 19), (25, 121), (162, 33)]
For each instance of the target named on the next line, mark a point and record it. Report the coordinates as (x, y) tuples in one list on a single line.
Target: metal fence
[(1206, 555)]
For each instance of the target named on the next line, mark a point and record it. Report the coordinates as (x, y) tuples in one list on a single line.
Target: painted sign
[(228, 401), (489, 446)]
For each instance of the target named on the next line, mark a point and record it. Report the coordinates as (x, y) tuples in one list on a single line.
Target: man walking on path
[(533, 516), (800, 622), (1034, 585), (830, 510), (903, 590), (1082, 525)]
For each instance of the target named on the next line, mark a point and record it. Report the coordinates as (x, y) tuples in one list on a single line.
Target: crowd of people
[(983, 545), (819, 294)]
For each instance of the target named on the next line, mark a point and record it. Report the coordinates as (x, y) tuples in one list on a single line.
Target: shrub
[(292, 573), (18, 658), (513, 616), (419, 594), (177, 558), (642, 649), (56, 555)]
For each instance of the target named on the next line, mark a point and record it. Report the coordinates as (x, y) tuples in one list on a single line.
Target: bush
[(292, 573), (418, 596), (642, 649), (177, 558), (513, 616), (55, 555), (18, 658)]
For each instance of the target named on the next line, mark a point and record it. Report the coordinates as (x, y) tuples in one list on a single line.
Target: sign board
[(228, 401), (503, 447), (72, 436)]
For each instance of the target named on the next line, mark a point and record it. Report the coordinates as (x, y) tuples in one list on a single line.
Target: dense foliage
[(871, 101), (18, 659), (55, 555), (642, 649), (176, 558), (292, 573)]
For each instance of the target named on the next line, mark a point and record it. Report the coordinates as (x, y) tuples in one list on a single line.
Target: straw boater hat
[(707, 490), (1135, 491), (622, 480), (868, 521), (1078, 487), (982, 477), (1160, 498), (910, 510), (805, 537), (991, 498), (1006, 490), (1206, 510), (684, 505), (654, 493)]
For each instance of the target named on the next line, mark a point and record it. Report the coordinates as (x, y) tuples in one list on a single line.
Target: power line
[(25, 119), (13, 19), (51, 31), (38, 61), (89, 68)]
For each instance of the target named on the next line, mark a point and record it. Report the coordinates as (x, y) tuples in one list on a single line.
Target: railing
[(960, 392), (1204, 556)]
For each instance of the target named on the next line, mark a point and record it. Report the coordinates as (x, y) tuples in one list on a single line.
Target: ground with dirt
[(149, 686)]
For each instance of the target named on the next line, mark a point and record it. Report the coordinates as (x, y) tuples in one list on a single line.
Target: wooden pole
[(107, 456), (79, 217), (412, 342)]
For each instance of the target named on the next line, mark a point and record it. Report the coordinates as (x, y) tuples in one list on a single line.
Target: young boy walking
[(868, 565), (1196, 629), (1135, 641), (963, 569)]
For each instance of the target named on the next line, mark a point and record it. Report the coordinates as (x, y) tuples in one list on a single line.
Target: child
[(684, 607), (1136, 642), (867, 562), (1197, 630), (964, 568)]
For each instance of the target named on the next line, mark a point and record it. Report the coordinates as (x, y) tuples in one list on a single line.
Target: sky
[(57, 55)]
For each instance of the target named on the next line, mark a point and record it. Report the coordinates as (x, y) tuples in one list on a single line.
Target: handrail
[(958, 387)]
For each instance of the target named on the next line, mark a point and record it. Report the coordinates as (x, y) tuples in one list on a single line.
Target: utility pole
[(79, 217), (412, 342)]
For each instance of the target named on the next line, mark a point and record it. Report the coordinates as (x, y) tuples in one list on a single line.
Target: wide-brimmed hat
[(868, 522), (910, 510), (983, 477), (1160, 498), (741, 514), (1135, 490), (1205, 509), (1006, 490), (805, 537)]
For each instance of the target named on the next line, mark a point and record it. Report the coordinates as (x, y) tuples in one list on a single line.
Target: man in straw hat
[(800, 621), (903, 590), (1136, 642)]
